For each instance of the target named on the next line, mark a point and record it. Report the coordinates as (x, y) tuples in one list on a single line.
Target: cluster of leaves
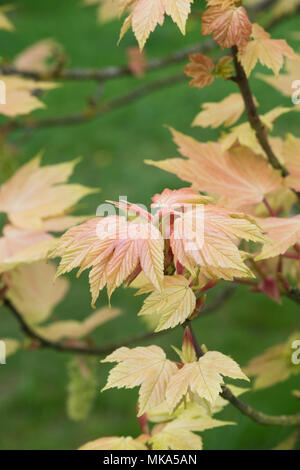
[(236, 221)]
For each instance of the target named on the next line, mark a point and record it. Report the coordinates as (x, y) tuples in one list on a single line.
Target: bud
[(188, 347)]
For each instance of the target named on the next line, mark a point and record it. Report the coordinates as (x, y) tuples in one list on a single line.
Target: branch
[(255, 415), (253, 116), (94, 351), (95, 111), (63, 347), (111, 72)]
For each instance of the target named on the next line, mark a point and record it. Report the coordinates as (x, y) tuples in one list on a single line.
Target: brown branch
[(96, 351), (253, 116), (255, 415), (96, 111), (63, 347), (110, 72)]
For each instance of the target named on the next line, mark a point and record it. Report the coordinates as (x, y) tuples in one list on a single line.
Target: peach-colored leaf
[(284, 81), (113, 248), (36, 193), (282, 233), (19, 97), (200, 69), (229, 25), (147, 367), (211, 244), (136, 61), (73, 329), (226, 112), (32, 292), (269, 52), (173, 305), (204, 378), (37, 56), (114, 443), (238, 177), (291, 156)]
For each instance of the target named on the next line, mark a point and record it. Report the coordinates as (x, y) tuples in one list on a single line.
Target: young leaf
[(284, 81), (239, 177), (229, 24), (36, 193), (144, 366), (73, 329), (226, 112), (215, 249), (274, 365), (37, 56), (200, 69), (112, 248), (291, 155), (174, 304), (19, 97), (269, 52), (282, 234), (114, 443), (32, 292), (203, 378), (147, 14)]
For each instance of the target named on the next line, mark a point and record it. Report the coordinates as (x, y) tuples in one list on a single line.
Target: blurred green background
[(33, 385)]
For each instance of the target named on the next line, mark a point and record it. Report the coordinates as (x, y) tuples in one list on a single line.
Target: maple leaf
[(147, 14), (18, 246), (114, 443), (269, 52), (245, 134), (37, 57), (291, 156), (238, 177), (32, 292), (200, 69), (174, 304), (11, 347), (283, 82), (226, 112), (274, 365), (136, 61), (19, 98), (73, 329), (229, 24), (203, 378), (282, 234), (145, 366), (175, 435), (175, 198), (107, 9), (213, 248), (113, 248), (4, 21), (34, 194)]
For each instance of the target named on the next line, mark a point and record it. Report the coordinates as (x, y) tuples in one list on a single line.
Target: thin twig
[(253, 116), (63, 347), (110, 72), (96, 111), (255, 415)]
